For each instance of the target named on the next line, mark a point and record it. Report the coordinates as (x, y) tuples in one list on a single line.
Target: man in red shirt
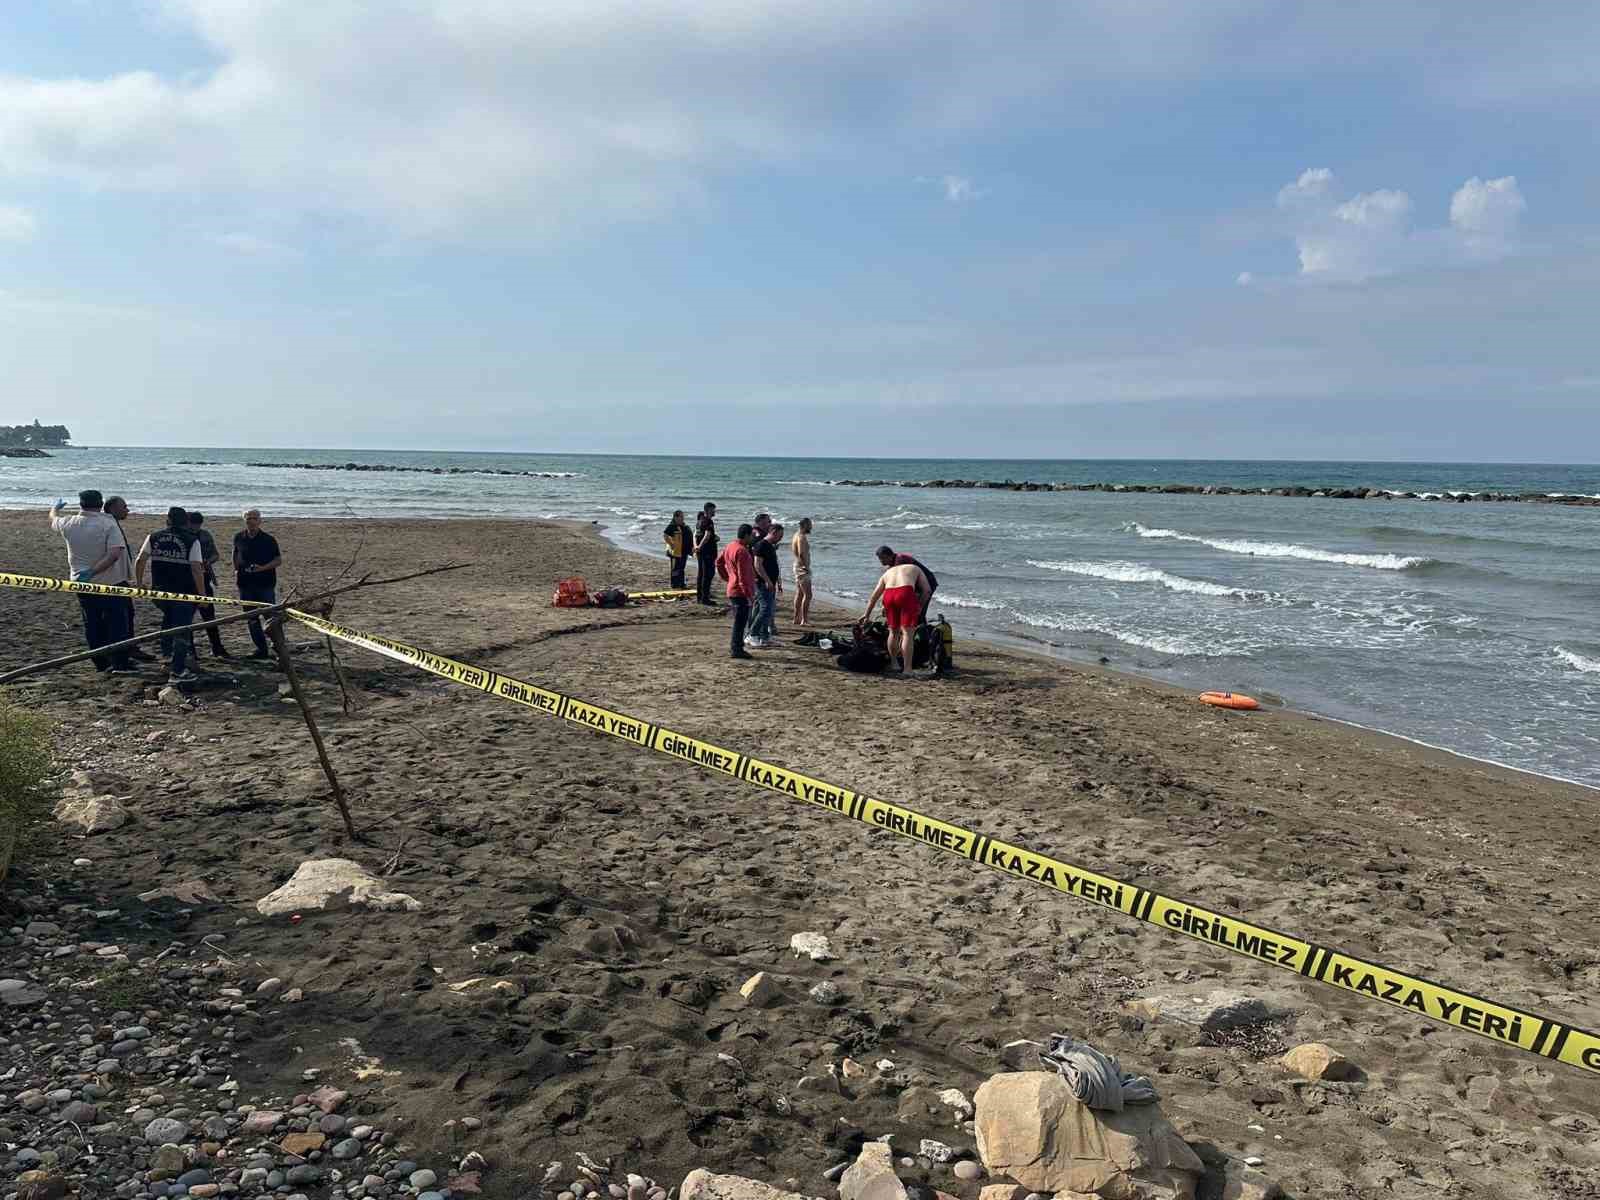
[(738, 570)]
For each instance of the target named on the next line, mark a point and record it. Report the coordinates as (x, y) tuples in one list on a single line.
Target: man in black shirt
[(763, 630), (705, 552), (255, 563)]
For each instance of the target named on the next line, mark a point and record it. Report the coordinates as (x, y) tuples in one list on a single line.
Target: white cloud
[(1371, 233), (1486, 215), (251, 246), (1312, 185), (958, 189), (479, 118), (17, 224), (1244, 279)]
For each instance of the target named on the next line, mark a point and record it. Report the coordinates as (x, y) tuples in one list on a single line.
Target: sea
[(1472, 627)]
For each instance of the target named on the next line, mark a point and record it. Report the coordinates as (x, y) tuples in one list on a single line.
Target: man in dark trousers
[(173, 558), (256, 558), (705, 552), (738, 571), (118, 509), (96, 553), (209, 555), (888, 558)]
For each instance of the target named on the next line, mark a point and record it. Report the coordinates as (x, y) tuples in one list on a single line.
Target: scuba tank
[(947, 641)]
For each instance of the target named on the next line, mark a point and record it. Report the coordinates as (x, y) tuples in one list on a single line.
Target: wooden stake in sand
[(286, 662)]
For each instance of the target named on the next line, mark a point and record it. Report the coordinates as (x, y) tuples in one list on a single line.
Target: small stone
[(79, 1113), (168, 1160), (347, 1149), (40, 1185), (814, 946), (955, 1098), (826, 1084), (936, 1151), (302, 1144), (328, 1099), (760, 990), (423, 1179), (263, 1120), (851, 1069), (968, 1170), (293, 996), (190, 1178), (1315, 1060), (1002, 1191), (165, 1130), (331, 1124), (268, 988), (205, 1190), (1212, 1012), (303, 1174), (826, 993), (1254, 1161)]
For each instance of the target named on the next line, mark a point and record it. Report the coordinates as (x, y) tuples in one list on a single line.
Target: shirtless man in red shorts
[(905, 590)]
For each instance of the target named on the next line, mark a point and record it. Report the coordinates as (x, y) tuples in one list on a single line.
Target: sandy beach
[(626, 900)]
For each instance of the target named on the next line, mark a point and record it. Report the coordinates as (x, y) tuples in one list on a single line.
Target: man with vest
[(177, 564)]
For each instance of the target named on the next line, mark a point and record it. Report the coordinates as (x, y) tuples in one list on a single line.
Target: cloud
[(958, 189), (251, 246), (1371, 234), (1486, 215), (480, 119), (1244, 279), (17, 224)]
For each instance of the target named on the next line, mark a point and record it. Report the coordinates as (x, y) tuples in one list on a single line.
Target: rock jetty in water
[(385, 467), (1223, 489)]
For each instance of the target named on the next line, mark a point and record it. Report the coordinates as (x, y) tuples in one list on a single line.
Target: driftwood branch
[(260, 612)]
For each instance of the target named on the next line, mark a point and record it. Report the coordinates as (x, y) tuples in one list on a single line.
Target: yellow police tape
[(40, 583), (1498, 1022)]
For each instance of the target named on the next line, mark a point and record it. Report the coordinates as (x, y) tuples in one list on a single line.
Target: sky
[(1122, 228)]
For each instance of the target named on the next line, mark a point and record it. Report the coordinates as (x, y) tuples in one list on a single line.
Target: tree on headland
[(34, 435)]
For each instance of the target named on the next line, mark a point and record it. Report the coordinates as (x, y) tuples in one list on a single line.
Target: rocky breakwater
[(1223, 489), (383, 467)]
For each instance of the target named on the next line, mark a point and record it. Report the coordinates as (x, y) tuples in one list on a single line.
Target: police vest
[(169, 561)]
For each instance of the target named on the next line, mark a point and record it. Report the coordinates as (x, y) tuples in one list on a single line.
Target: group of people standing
[(750, 569), (180, 557)]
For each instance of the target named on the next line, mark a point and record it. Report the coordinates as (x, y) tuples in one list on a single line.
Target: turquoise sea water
[(1475, 627)]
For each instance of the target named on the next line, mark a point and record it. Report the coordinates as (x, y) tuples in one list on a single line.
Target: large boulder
[(1033, 1129), (322, 883), (92, 814), (1210, 1012), (701, 1184)]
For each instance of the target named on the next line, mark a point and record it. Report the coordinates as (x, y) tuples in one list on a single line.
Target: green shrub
[(26, 768)]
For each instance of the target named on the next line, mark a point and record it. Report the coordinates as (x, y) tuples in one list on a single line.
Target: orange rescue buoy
[(1230, 700)]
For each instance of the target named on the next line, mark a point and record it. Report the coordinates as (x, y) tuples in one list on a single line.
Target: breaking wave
[(1377, 562), (1128, 572), (1161, 643), (966, 602), (1577, 661)]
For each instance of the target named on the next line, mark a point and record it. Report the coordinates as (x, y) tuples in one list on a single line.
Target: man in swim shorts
[(800, 547), (888, 557), (904, 588)]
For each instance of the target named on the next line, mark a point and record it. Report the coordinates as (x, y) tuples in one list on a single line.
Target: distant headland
[(29, 441)]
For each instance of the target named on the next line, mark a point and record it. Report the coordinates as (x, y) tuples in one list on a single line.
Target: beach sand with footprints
[(609, 902)]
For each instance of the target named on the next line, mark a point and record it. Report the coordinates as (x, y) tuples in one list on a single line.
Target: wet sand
[(627, 898)]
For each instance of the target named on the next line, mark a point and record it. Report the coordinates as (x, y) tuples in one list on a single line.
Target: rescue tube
[(1230, 700)]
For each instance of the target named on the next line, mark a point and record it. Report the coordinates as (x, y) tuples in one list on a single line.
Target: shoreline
[(1047, 653)]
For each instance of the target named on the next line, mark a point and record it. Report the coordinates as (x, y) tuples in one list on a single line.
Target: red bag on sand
[(571, 593)]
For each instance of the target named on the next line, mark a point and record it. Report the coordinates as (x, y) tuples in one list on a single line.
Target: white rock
[(871, 1176), (83, 862), (701, 1184), (170, 696), (323, 883), (93, 814), (955, 1098), (813, 946)]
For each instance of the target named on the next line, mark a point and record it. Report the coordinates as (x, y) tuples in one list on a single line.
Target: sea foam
[(1577, 661), (1377, 562), (1130, 572)]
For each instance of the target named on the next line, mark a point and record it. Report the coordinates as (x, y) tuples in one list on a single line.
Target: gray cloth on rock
[(1096, 1079)]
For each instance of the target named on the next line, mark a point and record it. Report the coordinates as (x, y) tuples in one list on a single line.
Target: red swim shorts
[(901, 608)]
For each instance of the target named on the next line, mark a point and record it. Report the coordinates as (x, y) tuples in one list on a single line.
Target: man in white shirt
[(96, 553)]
